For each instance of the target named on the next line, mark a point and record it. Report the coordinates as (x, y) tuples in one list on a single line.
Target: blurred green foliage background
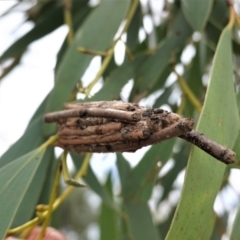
[(182, 55)]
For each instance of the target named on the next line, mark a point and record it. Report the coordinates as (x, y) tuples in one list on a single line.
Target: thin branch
[(92, 52), (92, 112), (14, 63), (49, 142), (51, 202), (105, 63), (219, 152), (68, 20)]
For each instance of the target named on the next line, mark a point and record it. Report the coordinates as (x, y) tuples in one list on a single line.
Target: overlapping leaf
[(197, 12)]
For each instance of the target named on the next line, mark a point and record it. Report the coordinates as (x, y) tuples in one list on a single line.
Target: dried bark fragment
[(119, 127)]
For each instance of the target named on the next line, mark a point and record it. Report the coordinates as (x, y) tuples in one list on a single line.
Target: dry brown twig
[(126, 127)]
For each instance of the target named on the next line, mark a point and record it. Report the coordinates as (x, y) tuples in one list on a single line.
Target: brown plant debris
[(125, 127)]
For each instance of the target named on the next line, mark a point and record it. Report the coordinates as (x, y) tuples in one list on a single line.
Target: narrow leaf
[(74, 64), (235, 235), (180, 163), (15, 179), (108, 219), (124, 169), (117, 79), (78, 19), (219, 121), (140, 222), (197, 12), (30, 199), (154, 65), (142, 179), (132, 33)]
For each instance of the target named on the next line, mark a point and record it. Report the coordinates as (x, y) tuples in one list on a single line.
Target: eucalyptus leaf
[(140, 222), (204, 174), (108, 219), (124, 169), (154, 65), (30, 199), (16, 178), (197, 12), (235, 234), (142, 178), (180, 162)]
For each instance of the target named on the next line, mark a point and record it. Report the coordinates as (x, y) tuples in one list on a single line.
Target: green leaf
[(74, 64), (142, 179), (163, 227), (124, 169), (236, 149), (132, 33), (30, 199), (161, 80), (163, 98), (140, 222), (116, 80), (220, 14), (180, 163), (235, 234), (220, 226), (49, 179), (16, 178), (193, 75), (197, 12), (108, 219), (78, 19), (114, 83), (154, 65), (220, 122)]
